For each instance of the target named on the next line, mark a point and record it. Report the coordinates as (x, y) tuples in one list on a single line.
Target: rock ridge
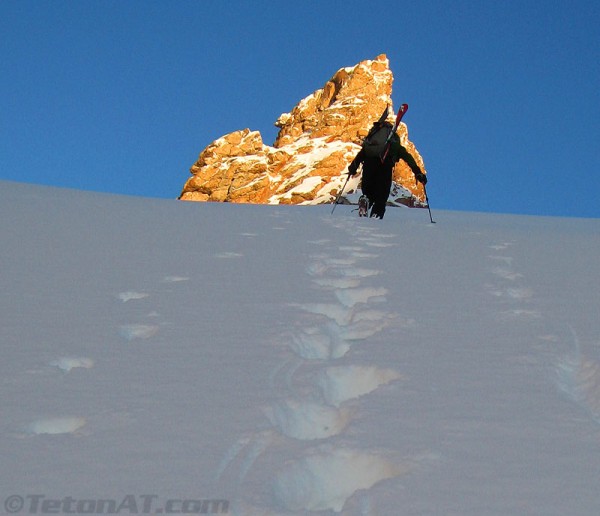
[(308, 161)]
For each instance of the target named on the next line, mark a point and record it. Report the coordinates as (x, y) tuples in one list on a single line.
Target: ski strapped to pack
[(388, 143)]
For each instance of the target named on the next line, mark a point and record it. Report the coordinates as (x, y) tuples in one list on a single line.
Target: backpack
[(375, 142)]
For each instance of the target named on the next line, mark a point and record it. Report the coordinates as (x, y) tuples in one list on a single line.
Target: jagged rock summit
[(317, 140)]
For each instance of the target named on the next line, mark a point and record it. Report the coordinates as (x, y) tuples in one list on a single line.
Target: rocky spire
[(308, 162)]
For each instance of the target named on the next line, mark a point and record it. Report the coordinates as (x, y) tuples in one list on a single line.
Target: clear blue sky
[(121, 96)]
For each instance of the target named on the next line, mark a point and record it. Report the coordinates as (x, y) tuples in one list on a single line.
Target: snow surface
[(291, 361)]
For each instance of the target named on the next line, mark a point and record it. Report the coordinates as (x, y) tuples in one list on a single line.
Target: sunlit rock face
[(308, 161)]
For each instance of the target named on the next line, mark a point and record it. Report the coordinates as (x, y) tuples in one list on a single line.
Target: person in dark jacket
[(377, 174)]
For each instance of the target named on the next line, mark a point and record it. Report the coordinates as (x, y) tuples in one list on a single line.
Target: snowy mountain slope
[(291, 361)]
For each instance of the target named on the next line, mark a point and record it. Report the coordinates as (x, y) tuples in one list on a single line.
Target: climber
[(377, 173)]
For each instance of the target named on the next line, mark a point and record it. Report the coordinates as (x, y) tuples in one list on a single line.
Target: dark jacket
[(377, 174), (396, 153)]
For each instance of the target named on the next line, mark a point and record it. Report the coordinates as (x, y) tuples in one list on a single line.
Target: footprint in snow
[(67, 363), (342, 383), (228, 255), (381, 244), (345, 271), (383, 235), (56, 426), (339, 262), (138, 331), (500, 246), (578, 376), (327, 478), (342, 315), (531, 314), (373, 242), (244, 454), (360, 272), (307, 420), (283, 374), (319, 343), (352, 296), (512, 293), (130, 295), (333, 340), (366, 323), (316, 269), (320, 269), (507, 260), (549, 338), (337, 282), (519, 293), (174, 279), (364, 256), (506, 274)]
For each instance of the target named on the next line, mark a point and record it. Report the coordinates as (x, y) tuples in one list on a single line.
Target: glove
[(421, 178), (352, 168)]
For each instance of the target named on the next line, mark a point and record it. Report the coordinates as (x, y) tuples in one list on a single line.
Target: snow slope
[(290, 361)]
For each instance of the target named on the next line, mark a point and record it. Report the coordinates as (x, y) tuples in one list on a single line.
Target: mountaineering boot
[(363, 206)]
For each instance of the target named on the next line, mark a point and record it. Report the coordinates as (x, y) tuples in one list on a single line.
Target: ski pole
[(428, 207), (340, 194)]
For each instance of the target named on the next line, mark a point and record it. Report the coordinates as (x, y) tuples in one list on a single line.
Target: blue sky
[(121, 96)]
